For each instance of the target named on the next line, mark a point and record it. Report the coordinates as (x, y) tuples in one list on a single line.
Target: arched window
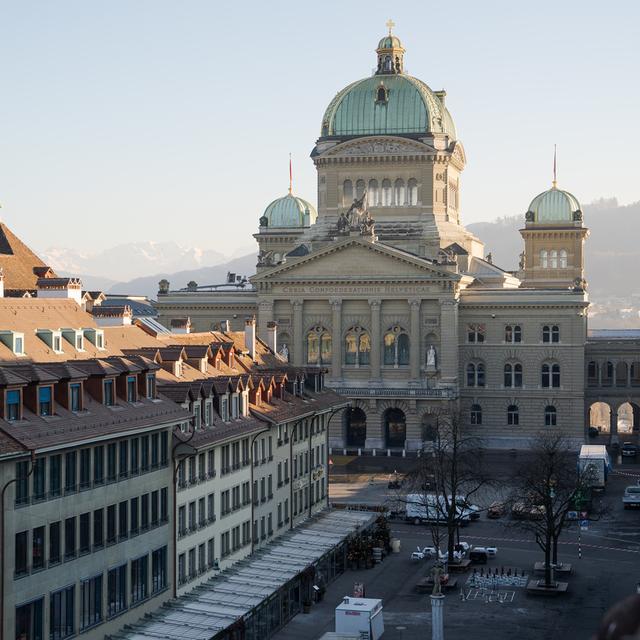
[(476, 414), (360, 188), (551, 333), (357, 347), (563, 258), (347, 193), (396, 347), (550, 416), (513, 333), (513, 415), (399, 195), (635, 374), (373, 195), (592, 374), (543, 259), (621, 374), (386, 193), (550, 375), (318, 346), (381, 95), (475, 374), (607, 374), (553, 259), (512, 375), (412, 192)]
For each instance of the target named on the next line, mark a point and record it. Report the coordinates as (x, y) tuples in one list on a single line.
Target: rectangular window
[(45, 405), (211, 507), (202, 515), (211, 552), (182, 569), (111, 524), (124, 459), (139, 580), (117, 590), (22, 483), (70, 477), (144, 512), (151, 385), (154, 508), (192, 515), (70, 538), (98, 465), (123, 528), (85, 469), (211, 463), (144, 453), (202, 558), (134, 456), (182, 520), (76, 396), (85, 532), (159, 569), (108, 392), (29, 621), (98, 528), (39, 478), (134, 515), (55, 476), (13, 411), (192, 562), (61, 614), (155, 450), (54, 543), (132, 393), (112, 462), (22, 553), (90, 602), (164, 505), (164, 448)]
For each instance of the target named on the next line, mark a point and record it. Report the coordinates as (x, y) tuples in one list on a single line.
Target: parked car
[(629, 449), (631, 497), (496, 510), (524, 511)]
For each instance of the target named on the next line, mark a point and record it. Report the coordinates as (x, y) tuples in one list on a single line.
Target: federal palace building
[(384, 288)]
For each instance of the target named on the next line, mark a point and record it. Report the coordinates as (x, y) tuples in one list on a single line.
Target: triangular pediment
[(356, 259)]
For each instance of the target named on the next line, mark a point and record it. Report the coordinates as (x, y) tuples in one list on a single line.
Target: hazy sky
[(129, 120)]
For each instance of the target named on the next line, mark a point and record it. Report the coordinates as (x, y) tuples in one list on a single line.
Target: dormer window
[(13, 405), (95, 336), (57, 343), (132, 392), (13, 340), (45, 405), (18, 345), (224, 408), (74, 337), (108, 392), (235, 405), (75, 396), (100, 340), (79, 342), (151, 385), (382, 96)]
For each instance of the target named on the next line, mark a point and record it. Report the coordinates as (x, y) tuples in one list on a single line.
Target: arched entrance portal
[(395, 428), (355, 427), (628, 418), (600, 417)]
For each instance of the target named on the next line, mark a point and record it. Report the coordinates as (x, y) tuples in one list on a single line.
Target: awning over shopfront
[(260, 594)]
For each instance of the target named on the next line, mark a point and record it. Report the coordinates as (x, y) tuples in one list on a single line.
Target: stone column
[(265, 315), (298, 337), (416, 349), (449, 340), (376, 338), (437, 617), (336, 338), (613, 425)]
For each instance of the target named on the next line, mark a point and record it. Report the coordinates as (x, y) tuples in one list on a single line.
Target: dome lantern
[(390, 53)]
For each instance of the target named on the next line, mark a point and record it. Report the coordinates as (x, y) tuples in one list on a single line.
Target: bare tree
[(546, 487), (451, 473)]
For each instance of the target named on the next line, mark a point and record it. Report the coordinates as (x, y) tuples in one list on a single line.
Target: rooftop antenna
[(290, 175), (555, 167)]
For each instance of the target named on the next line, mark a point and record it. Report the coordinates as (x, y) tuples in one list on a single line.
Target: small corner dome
[(390, 42), (289, 211), (554, 206)]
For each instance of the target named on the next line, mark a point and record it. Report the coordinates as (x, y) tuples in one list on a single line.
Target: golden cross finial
[(390, 24)]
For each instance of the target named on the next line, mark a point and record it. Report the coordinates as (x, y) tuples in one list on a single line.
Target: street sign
[(584, 525)]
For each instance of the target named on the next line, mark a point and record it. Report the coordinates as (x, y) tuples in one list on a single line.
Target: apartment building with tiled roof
[(136, 463)]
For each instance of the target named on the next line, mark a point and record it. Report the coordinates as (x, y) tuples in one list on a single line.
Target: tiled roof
[(21, 266), (9, 445)]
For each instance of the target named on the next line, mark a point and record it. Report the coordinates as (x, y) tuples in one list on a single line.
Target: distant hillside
[(612, 252), (148, 286)]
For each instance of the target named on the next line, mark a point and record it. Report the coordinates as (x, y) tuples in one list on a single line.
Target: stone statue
[(367, 225), (521, 264), (284, 352), (357, 211), (489, 258), (343, 223), (530, 216), (577, 216), (265, 258), (431, 357), (436, 573)]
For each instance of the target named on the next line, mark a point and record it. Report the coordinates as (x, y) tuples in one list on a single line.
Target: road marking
[(575, 544)]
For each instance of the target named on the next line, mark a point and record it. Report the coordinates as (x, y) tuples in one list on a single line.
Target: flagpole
[(290, 175), (555, 166)]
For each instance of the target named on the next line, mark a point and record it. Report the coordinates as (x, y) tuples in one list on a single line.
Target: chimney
[(70, 288), (180, 325), (250, 335), (1, 282), (112, 316), (272, 336), (224, 326)]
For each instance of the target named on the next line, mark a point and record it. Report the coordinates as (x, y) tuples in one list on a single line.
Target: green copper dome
[(390, 42), (289, 211), (554, 206), (387, 104)]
